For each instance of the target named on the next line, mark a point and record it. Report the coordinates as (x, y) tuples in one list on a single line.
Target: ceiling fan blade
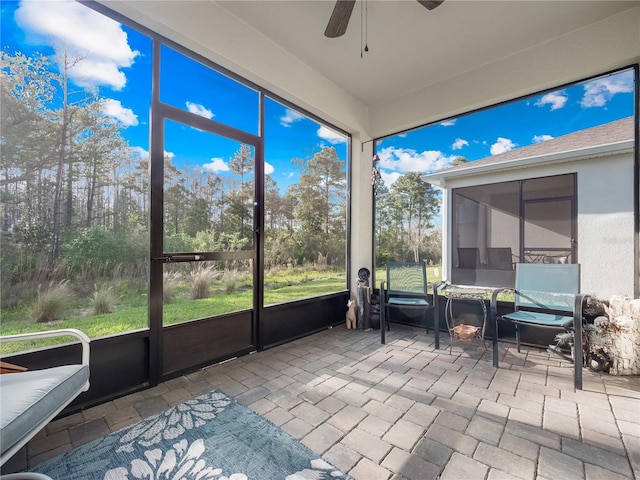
[(339, 18), (430, 4)]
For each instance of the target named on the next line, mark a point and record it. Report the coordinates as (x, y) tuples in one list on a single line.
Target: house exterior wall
[(605, 226), (605, 218)]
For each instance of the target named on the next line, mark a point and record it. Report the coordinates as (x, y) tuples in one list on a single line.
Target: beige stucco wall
[(605, 217), (605, 226)]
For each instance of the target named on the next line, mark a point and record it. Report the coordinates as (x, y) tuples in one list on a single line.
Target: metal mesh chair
[(546, 296), (406, 289), (469, 258)]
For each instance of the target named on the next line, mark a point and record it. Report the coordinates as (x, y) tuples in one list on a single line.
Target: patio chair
[(499, 258), (546, 296), (469, 258), (406, 289), (30, 399)]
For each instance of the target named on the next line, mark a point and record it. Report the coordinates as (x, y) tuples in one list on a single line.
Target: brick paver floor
[(407, 411)]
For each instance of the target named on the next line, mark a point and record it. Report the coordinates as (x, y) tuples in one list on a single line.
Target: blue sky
[(512, 125), (117, 61)]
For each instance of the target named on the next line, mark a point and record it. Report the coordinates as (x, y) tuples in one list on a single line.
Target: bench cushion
[(29, 399)]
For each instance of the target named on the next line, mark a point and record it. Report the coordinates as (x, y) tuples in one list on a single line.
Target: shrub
[(201, 279), (52, 304), (97, 251), (103, 300)]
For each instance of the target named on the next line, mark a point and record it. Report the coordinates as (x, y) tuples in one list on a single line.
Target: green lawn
[(131, 310), (132, 315)]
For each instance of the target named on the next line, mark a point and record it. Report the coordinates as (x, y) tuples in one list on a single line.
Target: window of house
[(498, 225)]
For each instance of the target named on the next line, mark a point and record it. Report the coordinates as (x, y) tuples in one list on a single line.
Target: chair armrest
[(84, 339), (493, 305), (578, 302)]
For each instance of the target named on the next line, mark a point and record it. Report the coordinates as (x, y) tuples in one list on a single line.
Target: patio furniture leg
[(382, 314), (493, 314), (436, 316), (577, 342)]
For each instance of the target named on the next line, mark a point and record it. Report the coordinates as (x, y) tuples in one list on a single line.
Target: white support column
[(361, 209)]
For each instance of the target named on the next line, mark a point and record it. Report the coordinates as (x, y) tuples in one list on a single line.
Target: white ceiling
[(411, 47)]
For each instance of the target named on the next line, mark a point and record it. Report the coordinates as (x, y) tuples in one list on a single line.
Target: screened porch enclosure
[(498, 225)]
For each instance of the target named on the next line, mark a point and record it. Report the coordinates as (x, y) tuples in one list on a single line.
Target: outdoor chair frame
[(32, 398), (546, 296), (407, 288), (499, 258)]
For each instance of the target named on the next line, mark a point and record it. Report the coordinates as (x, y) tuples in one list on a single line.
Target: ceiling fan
[(339, 20)]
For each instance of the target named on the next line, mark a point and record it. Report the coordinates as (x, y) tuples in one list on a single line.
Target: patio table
[(466, 293)]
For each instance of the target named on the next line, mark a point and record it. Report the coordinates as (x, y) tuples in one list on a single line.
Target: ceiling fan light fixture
[(430, 4), (341, 14)]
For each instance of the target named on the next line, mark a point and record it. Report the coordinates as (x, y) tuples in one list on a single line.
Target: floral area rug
[(209, 437)]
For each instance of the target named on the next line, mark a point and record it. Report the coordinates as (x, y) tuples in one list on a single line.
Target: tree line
[(404, 228), (75, 195)]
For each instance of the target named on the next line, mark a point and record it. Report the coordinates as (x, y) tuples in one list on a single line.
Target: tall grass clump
[(321, 263), (170, 284), (201, 280), (53, 303), (231, 280), (103, 300)]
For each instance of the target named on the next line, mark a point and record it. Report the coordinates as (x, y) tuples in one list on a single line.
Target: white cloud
[(541, 138), (139, 152), (290, 117), (448, 123), (459, 143), (268, 168), (114, 109), (216, 165), (502, 145), (403, 160), (599, 92), (555, 99), (389, 178), (98, 41), (169, 155), (331, 136), (199, 110)]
